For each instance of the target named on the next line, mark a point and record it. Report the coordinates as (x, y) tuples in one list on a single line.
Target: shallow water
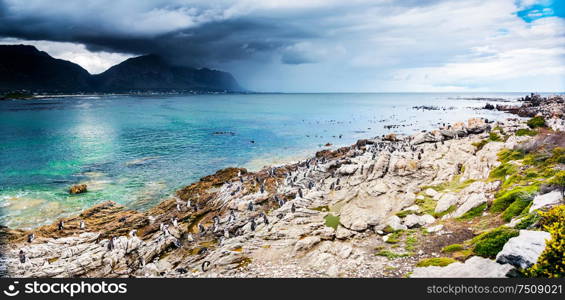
[(135, 150)]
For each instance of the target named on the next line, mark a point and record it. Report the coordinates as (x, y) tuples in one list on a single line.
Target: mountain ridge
[(24, 67)]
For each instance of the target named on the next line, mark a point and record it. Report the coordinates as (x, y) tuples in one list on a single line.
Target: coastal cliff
[(472, 199)]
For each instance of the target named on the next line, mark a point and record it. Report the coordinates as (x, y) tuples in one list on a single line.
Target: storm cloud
[(309, 45)]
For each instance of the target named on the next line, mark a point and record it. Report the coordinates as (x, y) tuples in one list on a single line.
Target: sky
[(313, 45)]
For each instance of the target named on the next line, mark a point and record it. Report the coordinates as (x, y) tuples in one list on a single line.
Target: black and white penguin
[(30, 237), (205, 266), (61, 225), (300, 193), (232, 217), (202, 229), (22, 256), (111, 244), (175, 222), (250, 206), (132, 233), (265, 219), (253, 225), (82, 225), (293, 208)]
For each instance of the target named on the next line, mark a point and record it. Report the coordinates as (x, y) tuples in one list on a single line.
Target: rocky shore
[(396, 206)]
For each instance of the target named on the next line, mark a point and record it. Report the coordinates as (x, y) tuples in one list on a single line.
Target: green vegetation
[(411, 242), (502, 171), (331, 221), (16, 95), (528, 221), (488, 244), (536, 122), (559, 181), (474, 212), (481, 144), (452, 248), (516, 207), (391, 255), (526, 132), (505, 198), (506, 155), (394, 237), (551, 263), (404, 213), (435, 261), (493, 137)]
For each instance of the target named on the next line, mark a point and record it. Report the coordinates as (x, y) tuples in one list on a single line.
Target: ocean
[(137, 150)]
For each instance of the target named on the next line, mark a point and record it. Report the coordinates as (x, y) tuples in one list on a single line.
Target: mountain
[(26, 68), (152, 72)]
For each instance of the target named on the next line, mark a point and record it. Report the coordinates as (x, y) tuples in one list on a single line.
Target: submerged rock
[(524, 250), (78, 189)]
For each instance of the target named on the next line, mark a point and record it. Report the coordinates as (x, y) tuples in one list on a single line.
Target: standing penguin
[(111, 244), (22, 256), (293, 208), (61, 225), (82, 225), (253, 225), (30, 237), (250, 206)]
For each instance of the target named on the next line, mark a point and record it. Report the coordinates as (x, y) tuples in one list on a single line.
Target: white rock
[(471, 202), (474, 267), (395, 223), (435, 228), (446, 201), (524, 250), (415, 220), (347, 169), (546, 200), (430, 192)]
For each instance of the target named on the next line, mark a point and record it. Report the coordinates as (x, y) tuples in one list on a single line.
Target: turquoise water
[(136, 150)]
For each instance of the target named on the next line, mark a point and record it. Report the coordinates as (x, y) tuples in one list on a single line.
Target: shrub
[(480, 144), (391, 255), (452, 248), (559, 181), (501, 171), (526, 132), (536, 122), (488, 244), (551, 262), (435, 261), (474, 212), (506, 197), (516, 208), (493, 137), (507, 155), (528, 221)]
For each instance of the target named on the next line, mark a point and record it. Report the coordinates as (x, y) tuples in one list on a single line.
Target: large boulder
[(523, 251), (347, 169), (445, 201), (426, 137), (474, 267), (546, 200), (471, 202), (418, 221), (395, 223), (476, 125)]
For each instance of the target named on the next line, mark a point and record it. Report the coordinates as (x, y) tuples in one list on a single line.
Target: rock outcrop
[(524, 250), (474, 267)]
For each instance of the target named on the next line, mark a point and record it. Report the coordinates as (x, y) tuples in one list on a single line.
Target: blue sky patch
[(542, 9)]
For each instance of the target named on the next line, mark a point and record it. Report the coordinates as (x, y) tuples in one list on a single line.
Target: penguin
[(250, 206), (232, 217), (300, 193), (265, 219), (166, 229), (238, 173), (189, 237), (132, 233), (30, 237), (188, 204), (22, 256), (419, 156), (253, 225), (262, 188), (241, 179), (178, 207), (177, 243), (293, 208), (202, 229), (337, 182), (226, 233), (280, 216), (111, 244), (205, 266), (82, 225), (61, 225), (175, 222)]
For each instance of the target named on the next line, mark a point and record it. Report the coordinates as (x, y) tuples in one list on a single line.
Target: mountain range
[(24, 67)]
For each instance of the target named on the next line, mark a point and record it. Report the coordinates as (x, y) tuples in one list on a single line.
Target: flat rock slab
[(546, 200), (524, 250), (474, 267)]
